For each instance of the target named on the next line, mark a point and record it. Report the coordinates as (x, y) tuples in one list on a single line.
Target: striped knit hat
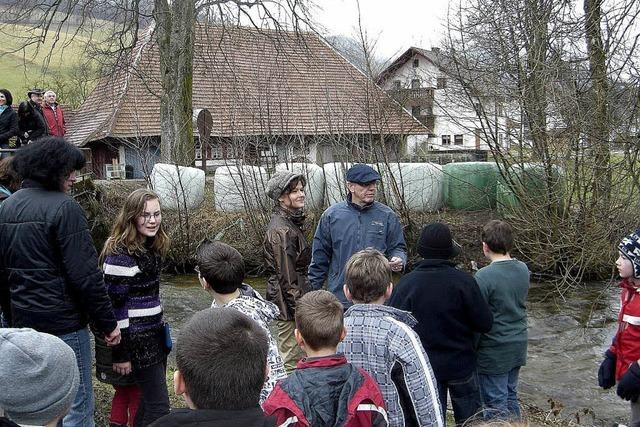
[(630, 248)]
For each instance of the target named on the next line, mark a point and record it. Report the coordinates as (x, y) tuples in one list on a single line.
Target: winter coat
[(287, 256), (327, 391), (346, 228), (49, 275), (8, 126), (55, 119), (380, 340), (449, 308), (252, 417), (263, 312), (31, 122), (626, 344), (133, 283)]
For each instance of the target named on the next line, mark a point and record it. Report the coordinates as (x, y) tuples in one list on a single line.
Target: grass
[(52, 64)]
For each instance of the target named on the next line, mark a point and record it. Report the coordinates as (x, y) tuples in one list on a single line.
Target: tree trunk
[(175, 32), (598, 131)]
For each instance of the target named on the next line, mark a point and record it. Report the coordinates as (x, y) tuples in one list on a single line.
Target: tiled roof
[(254, 82), (435, 55)]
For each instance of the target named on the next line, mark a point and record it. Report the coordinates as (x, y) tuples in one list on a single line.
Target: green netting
[(470, 186), (528, 183)]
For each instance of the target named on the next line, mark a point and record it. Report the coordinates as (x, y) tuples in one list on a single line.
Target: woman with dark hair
[(9, 179), (132, 258), (49, 275), (8, 119), (288, 256)]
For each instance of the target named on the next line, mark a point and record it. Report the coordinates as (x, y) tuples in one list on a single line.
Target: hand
[(113, 338), (607, 371), (629, 384), (396, 264), (122, 368)]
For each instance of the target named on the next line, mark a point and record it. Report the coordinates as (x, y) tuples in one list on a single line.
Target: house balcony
[(405, 95)]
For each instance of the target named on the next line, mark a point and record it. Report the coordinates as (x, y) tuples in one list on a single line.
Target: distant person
[(39, 378), (31, 119), (10, 181), (49, 275), (355, 224), (449, 308), (53, 114), (504, 284), (621, 359), (132, 264), (8, 121), (221, 272), (221, 356), (380, 340), (287, 255), (325, 389)]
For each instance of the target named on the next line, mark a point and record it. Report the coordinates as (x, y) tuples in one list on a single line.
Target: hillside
[(60, 63)]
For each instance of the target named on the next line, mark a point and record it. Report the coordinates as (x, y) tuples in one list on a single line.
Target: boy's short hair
[(498, 235), (367, 275), (221, 266), (222, 356), (319, 319)]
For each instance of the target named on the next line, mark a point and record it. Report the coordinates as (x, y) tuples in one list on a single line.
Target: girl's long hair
[(124, 233)]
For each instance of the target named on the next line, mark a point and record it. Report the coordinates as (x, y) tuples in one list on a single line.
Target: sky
[(397, 24)]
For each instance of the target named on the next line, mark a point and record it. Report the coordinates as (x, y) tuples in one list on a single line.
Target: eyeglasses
[(147, 216)]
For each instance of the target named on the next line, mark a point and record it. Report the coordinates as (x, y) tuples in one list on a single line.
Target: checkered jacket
[(379, 339)]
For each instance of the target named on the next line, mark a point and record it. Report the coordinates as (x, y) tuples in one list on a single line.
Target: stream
[(567, 338)]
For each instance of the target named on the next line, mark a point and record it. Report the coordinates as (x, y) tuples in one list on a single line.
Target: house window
[(416, 63), (458, 139), (446, 139), (397, 85), (415, 111), (198, 152), (441, 82), (415, 84)]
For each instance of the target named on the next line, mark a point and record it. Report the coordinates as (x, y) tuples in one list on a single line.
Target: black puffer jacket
[(49, 275), (8, 126), (31, 122)]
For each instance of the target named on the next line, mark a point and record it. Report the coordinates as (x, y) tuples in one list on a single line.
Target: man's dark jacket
[(449, 308), (49, 275), (31, 121), (253, 417)]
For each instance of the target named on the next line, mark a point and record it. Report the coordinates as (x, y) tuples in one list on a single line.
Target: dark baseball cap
[(362, 174)]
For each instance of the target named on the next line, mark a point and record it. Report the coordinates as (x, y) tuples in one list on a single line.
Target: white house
[(419, 80)]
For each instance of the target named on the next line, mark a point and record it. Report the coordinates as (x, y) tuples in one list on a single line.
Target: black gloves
[(629, 385), (607, 371)]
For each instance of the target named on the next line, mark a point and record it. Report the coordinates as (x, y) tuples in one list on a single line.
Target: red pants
[(124, 405)]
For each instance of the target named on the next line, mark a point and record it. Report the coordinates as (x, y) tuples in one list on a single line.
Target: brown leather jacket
[(287, 256)]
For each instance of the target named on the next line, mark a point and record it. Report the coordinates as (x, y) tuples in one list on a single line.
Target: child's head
[(319, 320), (139, 220), (221, 355), (39, 374), (628, 262), (367, 277), (220, 266), (498, 236)]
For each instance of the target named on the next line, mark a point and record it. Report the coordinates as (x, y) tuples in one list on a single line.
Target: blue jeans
[(465, 398), (500, 395), (81, 414)]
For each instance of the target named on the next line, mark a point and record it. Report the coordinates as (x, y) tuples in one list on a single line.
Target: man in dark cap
[(31, 119), (450, 310), (350, 226)]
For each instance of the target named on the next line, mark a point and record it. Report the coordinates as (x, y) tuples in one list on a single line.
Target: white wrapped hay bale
[(239, 188), (314, 175), (178, 187), (335, 183), (420, 185)]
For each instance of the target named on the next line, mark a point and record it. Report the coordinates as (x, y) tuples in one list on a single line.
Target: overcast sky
[(397, 24)]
